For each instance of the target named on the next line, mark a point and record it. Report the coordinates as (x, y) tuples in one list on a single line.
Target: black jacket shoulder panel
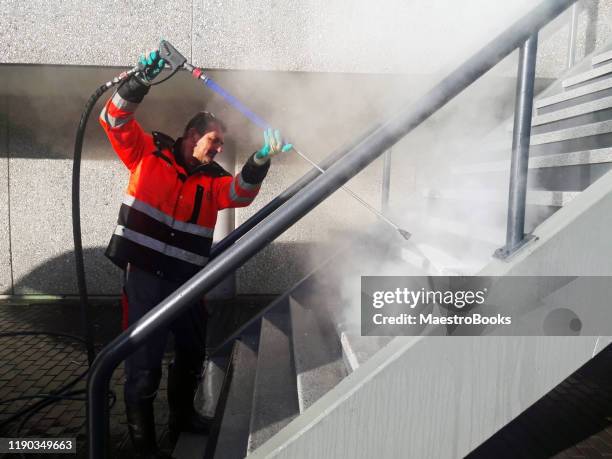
[(213, 169), (163, 141)]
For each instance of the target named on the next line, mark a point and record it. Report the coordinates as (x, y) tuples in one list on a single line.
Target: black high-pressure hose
[(176, 61), (76, 201), (62, 393), (76, 221)]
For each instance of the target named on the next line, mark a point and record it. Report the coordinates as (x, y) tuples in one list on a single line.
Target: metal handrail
[(362, 154)]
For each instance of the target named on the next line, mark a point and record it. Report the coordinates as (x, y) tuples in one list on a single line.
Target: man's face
[(209, 145)]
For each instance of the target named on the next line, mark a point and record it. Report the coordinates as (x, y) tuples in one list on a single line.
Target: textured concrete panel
[(344, 36), (42, 227), (46, 106), (90, 32), (5, 259), (317, 112), (341, 36)]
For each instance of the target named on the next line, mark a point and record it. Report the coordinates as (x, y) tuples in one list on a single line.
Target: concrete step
[(574, 134), (356, 349), (586, 130), (233, 437), (317, 354), (275, 401), (534, 197), (575, 158), (571, 112), (601, 57), (190, 446), (574, 93), (463, 229), (207, 394), (588, 75)]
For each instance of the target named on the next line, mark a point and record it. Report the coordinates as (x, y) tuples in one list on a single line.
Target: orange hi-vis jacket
[(167, 217)]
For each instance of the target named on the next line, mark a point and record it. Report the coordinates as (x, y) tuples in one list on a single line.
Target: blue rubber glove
[(273, 145), (151, 65)]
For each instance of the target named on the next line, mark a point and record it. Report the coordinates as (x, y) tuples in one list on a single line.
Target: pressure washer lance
[(405, 234), (199, 74)]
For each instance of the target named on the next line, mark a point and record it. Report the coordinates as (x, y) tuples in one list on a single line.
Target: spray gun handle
[(169, 53)]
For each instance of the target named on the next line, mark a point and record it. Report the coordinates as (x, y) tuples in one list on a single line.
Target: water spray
[(177, 61)]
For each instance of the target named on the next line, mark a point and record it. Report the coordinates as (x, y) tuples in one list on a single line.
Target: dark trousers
[(142, 292)]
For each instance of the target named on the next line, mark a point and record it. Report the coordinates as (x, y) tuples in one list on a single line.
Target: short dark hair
[(201, 121)]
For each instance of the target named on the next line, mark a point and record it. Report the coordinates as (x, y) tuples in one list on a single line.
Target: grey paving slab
[(90, 33), (5, 259)]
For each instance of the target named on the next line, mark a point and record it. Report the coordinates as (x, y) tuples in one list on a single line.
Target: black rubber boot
[(182, 385), (141, 425)]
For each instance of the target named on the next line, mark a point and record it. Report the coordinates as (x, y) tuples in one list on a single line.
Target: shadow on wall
[(57, 275), (275, 269)]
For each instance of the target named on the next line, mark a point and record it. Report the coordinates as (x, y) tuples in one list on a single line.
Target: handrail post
[(386, 181), (515, 230)]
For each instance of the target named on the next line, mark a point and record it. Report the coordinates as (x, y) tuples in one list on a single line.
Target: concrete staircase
[(460, 225), (292, 374), (297, 352)]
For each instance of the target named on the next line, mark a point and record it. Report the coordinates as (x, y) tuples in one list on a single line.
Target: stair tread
[(357, 349), (601, 57), (189, 446), (585, 130), (573, 93), (588, 75), (534, 197), (574, 158), (462, 228), (232, 442), (318, 359), (275, 401), (570, 112)]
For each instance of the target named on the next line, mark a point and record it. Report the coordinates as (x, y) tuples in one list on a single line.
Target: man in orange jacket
[(163, 237)]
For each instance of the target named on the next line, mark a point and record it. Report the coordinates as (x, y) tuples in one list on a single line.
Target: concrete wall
[(40, 111), (318, 111), (6, 284), (398, 36)]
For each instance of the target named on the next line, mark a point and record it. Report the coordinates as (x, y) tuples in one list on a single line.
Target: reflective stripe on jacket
[(167, 217)]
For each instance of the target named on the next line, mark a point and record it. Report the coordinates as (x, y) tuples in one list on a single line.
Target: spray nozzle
[(169, 53)]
